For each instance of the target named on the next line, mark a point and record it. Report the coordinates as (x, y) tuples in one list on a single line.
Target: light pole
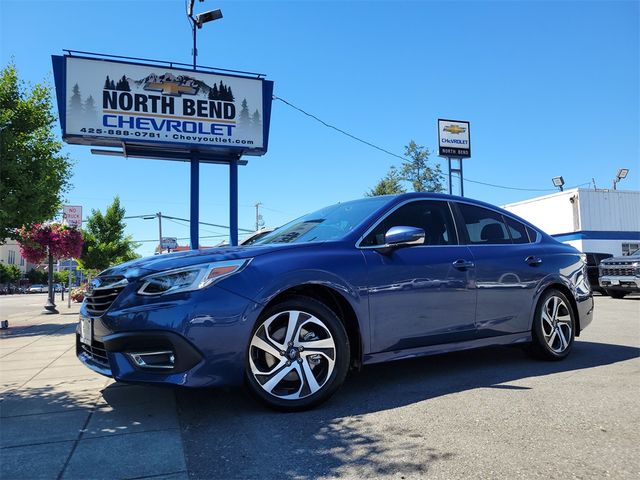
[(197, 22), (622, 173), (50, 306)]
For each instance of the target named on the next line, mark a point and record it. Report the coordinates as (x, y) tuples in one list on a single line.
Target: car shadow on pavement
[(226, 434), (37, 330)]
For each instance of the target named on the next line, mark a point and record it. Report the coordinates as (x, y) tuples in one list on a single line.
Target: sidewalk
[(59, 420)]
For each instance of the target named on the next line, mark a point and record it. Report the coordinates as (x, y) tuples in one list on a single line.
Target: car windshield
[(329, 223)]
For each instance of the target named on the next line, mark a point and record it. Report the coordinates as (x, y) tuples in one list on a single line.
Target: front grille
[(96, 352), (618, 271), (102, 293)]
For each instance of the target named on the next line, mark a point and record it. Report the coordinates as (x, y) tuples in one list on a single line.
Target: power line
[(337, 129), (275, 97)]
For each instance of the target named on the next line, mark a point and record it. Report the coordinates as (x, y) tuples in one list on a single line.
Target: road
[(492, 413)]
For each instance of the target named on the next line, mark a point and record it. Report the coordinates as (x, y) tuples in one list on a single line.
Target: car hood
[(168, 261)]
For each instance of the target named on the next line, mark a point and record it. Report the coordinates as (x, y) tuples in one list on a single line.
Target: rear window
[(517, 230), (484, 226)]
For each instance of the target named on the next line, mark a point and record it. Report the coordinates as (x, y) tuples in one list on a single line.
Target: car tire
[(553, 328), (298, 355), (616, 294)]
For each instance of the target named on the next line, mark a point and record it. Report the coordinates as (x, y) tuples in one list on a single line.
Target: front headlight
[(194, 277)]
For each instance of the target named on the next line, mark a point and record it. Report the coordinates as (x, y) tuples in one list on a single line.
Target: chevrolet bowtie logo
[(171, 88), (455, 129)]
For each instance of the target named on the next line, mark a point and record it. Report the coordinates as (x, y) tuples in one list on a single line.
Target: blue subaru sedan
[(357, 283)]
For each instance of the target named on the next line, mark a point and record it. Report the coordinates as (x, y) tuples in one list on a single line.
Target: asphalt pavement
[(491, 413)]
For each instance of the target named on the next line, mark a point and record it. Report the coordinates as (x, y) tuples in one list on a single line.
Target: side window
[(533, 235), (483, 226), (433, 217), (517, 230)]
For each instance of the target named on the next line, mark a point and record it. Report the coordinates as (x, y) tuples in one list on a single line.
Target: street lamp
[(199, 20), (622, 173), (558, 182)]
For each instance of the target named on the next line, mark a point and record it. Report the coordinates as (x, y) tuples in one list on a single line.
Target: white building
[(606, 221), (10, 255)]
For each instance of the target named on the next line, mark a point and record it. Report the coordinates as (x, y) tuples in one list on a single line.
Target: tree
[(61, 277), (34, 175), (37, 276), (9, 273), (416, 170), (90, 108), (255, 120), (389, 185), (105, 243), (244, 119), (75, 103)]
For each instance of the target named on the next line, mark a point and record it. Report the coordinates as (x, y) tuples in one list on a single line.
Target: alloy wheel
[(556, 324), (292, 355)]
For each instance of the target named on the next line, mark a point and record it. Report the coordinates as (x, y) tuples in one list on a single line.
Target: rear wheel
[(616, 293), (298, 355), (553, 328)]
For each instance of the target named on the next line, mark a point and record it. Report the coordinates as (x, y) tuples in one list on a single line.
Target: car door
[(423, 294), (508, 266)]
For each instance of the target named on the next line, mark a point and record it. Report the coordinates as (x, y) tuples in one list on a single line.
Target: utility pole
[(258, 217), (159, 215)]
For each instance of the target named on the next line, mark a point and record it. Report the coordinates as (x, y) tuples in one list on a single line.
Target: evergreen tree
[(230, 97), (75, 103), (213, 92), (105, 243), (34, 174), (90, 108), (112, 86), (255, 120), (389, 185), (107, 83), (416, 170), (244, 120)]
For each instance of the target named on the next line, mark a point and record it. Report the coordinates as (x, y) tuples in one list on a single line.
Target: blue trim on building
[(597, 235)]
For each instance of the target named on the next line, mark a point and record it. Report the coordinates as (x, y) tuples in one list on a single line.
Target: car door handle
[(463, 264), (533, 261)]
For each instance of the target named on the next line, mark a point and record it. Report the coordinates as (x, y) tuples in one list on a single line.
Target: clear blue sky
[(550, 88)]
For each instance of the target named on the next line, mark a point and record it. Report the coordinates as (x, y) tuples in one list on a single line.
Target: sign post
[(163, 111), (454, 142)]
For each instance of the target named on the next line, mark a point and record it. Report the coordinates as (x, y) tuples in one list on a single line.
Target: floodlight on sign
[(558, 182), (622, 173)]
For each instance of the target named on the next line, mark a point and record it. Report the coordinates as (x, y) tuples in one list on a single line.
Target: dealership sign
[(111, 103), (72, 215), (454, 139)]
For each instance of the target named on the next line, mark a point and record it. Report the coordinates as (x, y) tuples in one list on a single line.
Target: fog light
[(162, 360)]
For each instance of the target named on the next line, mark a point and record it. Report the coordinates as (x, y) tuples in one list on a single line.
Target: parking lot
[(492, 413)]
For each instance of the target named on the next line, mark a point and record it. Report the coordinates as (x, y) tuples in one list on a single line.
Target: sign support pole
[(195, 201), (450, 182), (233, 201), (461, 179)]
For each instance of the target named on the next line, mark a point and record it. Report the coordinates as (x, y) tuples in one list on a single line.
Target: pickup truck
[(620, 276)]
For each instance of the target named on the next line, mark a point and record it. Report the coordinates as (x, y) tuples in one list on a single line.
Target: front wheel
[(298, 355), (553, 329)]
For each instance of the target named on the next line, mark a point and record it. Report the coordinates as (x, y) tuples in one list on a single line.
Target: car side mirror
[(404, 236)]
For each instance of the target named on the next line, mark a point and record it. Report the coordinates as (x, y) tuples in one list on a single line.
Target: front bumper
[(206, 331), (626, 283)]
